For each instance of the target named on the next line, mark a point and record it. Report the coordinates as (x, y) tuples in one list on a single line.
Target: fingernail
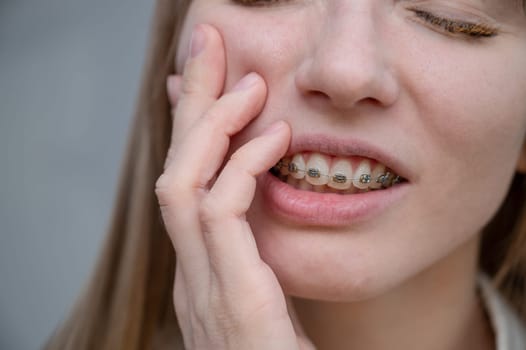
[(273, 128), (198, 41), (247, 81)]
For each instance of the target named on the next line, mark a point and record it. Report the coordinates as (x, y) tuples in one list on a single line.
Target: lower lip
[(326, 209)]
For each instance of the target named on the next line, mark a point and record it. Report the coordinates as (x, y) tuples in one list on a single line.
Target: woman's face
[(383, 81)]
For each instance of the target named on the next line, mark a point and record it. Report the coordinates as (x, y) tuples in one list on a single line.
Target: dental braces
[(386, 179)]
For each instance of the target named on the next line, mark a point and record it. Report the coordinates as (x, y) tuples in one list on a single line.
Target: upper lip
[(347, 147)]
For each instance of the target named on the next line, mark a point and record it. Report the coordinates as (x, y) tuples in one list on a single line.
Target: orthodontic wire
[(385, 179)]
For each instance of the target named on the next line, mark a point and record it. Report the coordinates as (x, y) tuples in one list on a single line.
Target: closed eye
[(451, 26), (258, 2)]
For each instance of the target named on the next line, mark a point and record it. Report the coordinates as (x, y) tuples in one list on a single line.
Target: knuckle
[(237, 160), (212, 119), (239, 165), (168, 191), (190, 85), (210, 210), (162, 188)]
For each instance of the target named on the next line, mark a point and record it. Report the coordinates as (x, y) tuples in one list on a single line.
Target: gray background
[(69, 74)]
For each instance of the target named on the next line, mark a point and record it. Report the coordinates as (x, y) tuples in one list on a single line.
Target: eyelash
[(256, 2), (470, 29)]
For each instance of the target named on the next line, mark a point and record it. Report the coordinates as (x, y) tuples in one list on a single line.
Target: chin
[(313, 264), (360, 259)]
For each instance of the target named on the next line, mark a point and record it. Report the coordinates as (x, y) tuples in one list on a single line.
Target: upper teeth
[(337, 173)]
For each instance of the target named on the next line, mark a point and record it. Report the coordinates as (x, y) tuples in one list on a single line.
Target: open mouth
[(317, 172)]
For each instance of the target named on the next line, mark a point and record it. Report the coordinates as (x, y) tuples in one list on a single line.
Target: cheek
[(471, 115), (470, 122), (273, 53), (267, 44), (270, 45)]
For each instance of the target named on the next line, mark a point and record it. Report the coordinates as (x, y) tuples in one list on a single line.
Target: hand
[(225, 296)]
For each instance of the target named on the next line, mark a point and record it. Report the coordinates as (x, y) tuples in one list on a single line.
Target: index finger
[(203, 78)]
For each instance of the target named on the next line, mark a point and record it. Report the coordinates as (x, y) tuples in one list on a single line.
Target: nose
[(348, 63)]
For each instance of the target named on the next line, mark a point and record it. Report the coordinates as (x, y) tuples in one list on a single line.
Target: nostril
[(341, 102), (347, 86), (318, 94), (372, 102)]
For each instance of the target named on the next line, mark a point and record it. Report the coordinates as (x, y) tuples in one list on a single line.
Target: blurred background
[(69, 74)]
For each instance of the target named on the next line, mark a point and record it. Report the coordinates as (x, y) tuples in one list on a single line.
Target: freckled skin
[(453, 109)]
